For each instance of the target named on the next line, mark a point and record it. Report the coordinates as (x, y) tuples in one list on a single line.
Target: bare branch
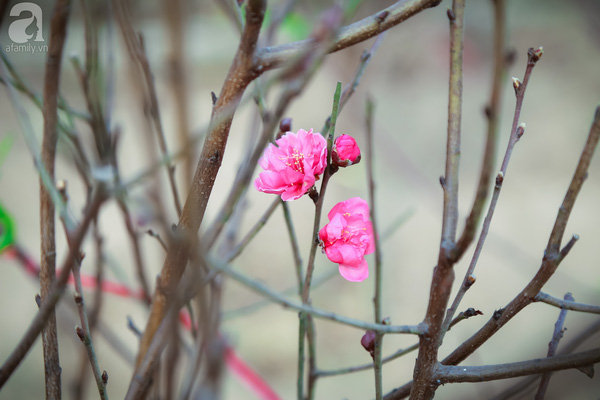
[(273, 57), (552, 346), (443, 274), (47, 307), (567, 304), (58, 33), (455, 374)]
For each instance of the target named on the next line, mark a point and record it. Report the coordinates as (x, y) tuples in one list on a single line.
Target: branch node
[(80, 333), (499, 179), (451, 15), (521, 130), (382, 16)]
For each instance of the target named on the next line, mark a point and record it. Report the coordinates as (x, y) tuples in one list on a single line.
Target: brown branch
[(275, 56), (54, 295), (443, 275), (241, 73), (515, 134), (58, 31), (455, 374), (550, 262), (246, 66)]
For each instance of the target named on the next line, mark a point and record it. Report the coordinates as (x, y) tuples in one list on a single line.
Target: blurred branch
[(552, 346), (275, 56), (137, 53), (242, 72), (175, 13), (253, 231), (58, 31), (566, 304), (47, 307), (574, 343), (492, 112), (279, 298)]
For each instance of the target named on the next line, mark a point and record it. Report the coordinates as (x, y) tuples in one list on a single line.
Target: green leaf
[(7, 229), (296, 26)]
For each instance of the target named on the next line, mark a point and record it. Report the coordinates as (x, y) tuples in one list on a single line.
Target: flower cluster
[(291, 168), (348, 237)]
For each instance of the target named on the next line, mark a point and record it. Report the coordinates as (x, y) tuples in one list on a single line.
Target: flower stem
[(377, 357)]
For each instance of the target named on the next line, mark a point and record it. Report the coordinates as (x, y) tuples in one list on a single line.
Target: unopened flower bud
[(499, 178), (80, 333), (516, 84), (285, 125), (520, 130), (345, 151), (104, 377), (470, 280), (535, 54), (368, 342)]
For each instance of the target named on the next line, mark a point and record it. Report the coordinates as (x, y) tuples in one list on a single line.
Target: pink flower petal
[(355, 273)]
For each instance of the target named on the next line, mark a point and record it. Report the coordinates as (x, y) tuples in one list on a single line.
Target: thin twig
[(157, 236), (516, 132), (552, 346), (294, 242), (399, 353), (484, 373), (47, 307), (377, 360), (279, 298), (137, 53), (313, 251), (85, 333), (176, 18), (274, 56), (492, 112), (253, 231), (58, 32), (550, 263), (567, 304), (573, 344)]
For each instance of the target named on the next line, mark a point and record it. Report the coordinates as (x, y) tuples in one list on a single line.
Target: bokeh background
[(407, 81)]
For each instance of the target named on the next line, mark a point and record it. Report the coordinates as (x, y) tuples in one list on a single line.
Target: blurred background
[(407, 80)]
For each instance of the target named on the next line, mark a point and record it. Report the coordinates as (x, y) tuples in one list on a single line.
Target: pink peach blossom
[(292, 166), (345, 151), (348, 237)]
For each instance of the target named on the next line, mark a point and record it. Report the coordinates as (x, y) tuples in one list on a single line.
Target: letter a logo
[(23, 29)]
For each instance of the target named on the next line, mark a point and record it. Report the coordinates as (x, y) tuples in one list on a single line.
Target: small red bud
[(285, 125), (368, 342), (80, 333)]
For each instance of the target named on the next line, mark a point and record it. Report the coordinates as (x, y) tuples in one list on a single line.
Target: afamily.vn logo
[(26, 29)]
